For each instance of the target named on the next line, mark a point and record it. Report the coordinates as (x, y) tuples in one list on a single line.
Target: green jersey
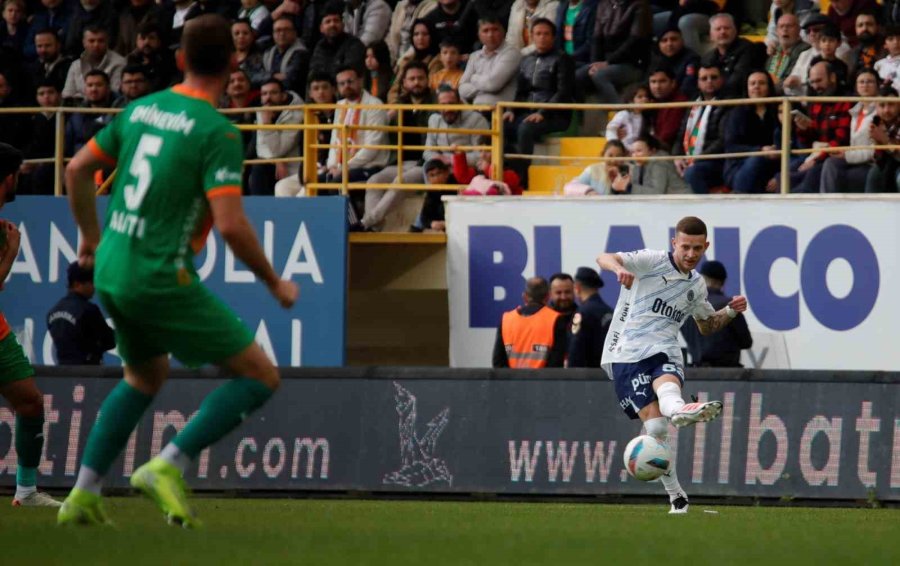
[(174, 152)]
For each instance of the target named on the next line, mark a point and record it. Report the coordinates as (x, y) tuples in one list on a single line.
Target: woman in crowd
[(379, 75), (845, 172), (752, 128), (605, 177), (248, 56), (424, 48)]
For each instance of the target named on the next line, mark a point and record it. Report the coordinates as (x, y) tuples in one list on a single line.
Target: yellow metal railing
[(346, 145)]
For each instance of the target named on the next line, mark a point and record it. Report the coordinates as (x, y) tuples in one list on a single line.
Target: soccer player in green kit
[(179, 172)]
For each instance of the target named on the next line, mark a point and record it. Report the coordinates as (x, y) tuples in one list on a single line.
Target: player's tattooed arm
[(722, 317)]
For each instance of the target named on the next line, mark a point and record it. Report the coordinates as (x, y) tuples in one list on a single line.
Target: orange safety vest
[(528, 339)]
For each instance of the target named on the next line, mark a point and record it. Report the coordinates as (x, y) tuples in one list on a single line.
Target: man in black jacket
[(546, 75), (701, 133), (620, 49), (337, 48), (76, 325), (735, 55), (590, 323)]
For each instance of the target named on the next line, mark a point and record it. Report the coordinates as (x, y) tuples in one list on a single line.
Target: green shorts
[(192, 324), (14, 366)]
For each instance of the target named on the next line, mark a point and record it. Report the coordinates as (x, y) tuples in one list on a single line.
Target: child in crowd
[(653, 177), (829, 41), (889, 67), (465, 174), (431, 219), (603, 178), (379, 74), (451, 73), (626, 125)]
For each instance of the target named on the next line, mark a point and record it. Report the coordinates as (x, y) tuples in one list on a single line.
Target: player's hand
[(12, 238), (286, 293), (626, 278), (86, 252), (739, 304)]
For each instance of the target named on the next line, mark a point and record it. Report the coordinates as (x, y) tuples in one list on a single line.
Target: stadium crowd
[(100, 54)]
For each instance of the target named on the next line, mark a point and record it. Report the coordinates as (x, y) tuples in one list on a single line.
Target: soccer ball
[(646, 458)]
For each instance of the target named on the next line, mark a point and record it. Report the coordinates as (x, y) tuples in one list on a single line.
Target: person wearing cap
[(591, 321), (722, 349), (17, 383), (76, 325), (796, 81), (532, 336)]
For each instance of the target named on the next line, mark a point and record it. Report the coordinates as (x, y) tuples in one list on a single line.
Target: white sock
[(23, 491), (88, 480), (658, 428), (669, 395), (171, 454)]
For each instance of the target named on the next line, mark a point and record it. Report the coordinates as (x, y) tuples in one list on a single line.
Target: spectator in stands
[(605, 177), (888, 68), (620, 49), (777, 9), (480, 177), (722, 349), (702, 133), (307, 16), (735, 55), (788, 49), (379, 74), (90, 13), (82, 127), (254, 12), (478, 9), (845, 172), (240, 94), (490, 74), (827, 124), (843, 14), (446, 121), (130, 17), (431, 218), (14, 29), (158, 61), (450, 73), (795, 84), (871, 42), (42, 141), (576, 19), (368, 20), (547, 75), (337, 48), (531, 336), (590, 323), (12, 126), (653, 177), (406, 12), (752, 128), (522, 16), (424, 50), (96, 56), (51, 64), (134, 86), (447, 22), (885, 130), (415, 92), (671, 52), (627, 125), (77, 326), (53, 15), (829, 41), (288, 59), (173, 16), (362, 163), (249, 57), (562, 297), (665, 121), (273, 144)]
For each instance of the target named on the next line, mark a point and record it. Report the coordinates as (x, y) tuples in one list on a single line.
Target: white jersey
[(648, 316)]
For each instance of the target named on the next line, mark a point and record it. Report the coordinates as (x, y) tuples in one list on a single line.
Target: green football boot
[(162, 482), (82, 508)]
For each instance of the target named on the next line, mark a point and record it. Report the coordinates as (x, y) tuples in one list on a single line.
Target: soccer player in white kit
[(642, 354)]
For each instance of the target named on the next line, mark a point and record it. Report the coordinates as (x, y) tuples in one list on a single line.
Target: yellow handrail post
[(310, 163), (345, 170), (497, 142), (59, 154), (785, 146), (400, 145)]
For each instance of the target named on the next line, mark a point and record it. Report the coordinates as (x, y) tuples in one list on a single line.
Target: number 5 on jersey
[(141, 170)]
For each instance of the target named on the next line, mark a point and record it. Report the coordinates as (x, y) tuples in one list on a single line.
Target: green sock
[(119, 414), (220, 413), (29, 444)]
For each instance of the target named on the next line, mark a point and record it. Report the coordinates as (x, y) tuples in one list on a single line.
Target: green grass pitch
[(346, 532)]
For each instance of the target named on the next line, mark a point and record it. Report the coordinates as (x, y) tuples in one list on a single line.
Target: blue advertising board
[(305, 239)]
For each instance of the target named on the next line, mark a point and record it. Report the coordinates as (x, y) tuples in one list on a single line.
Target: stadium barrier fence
[(784, 435), (310, 146)]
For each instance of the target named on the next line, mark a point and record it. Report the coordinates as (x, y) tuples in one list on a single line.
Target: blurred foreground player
[(16, 374), (641, 354), (179, 165)]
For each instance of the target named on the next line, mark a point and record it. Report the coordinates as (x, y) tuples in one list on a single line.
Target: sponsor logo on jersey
[(613, 341), (690, 296), (624, 314), (223, 174), (640, 380), (667, 310)]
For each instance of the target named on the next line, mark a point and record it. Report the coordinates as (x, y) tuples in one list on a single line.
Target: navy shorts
[(634, 381)]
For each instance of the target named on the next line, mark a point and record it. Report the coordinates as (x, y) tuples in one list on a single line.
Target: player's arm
[(10, 250), (722, 317), (230, 220), (614, 263), (82, 198)]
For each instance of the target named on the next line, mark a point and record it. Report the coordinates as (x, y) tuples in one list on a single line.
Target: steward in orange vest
[(532, 336)]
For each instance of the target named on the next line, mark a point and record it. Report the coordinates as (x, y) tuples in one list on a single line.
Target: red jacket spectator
[(464, 173)]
